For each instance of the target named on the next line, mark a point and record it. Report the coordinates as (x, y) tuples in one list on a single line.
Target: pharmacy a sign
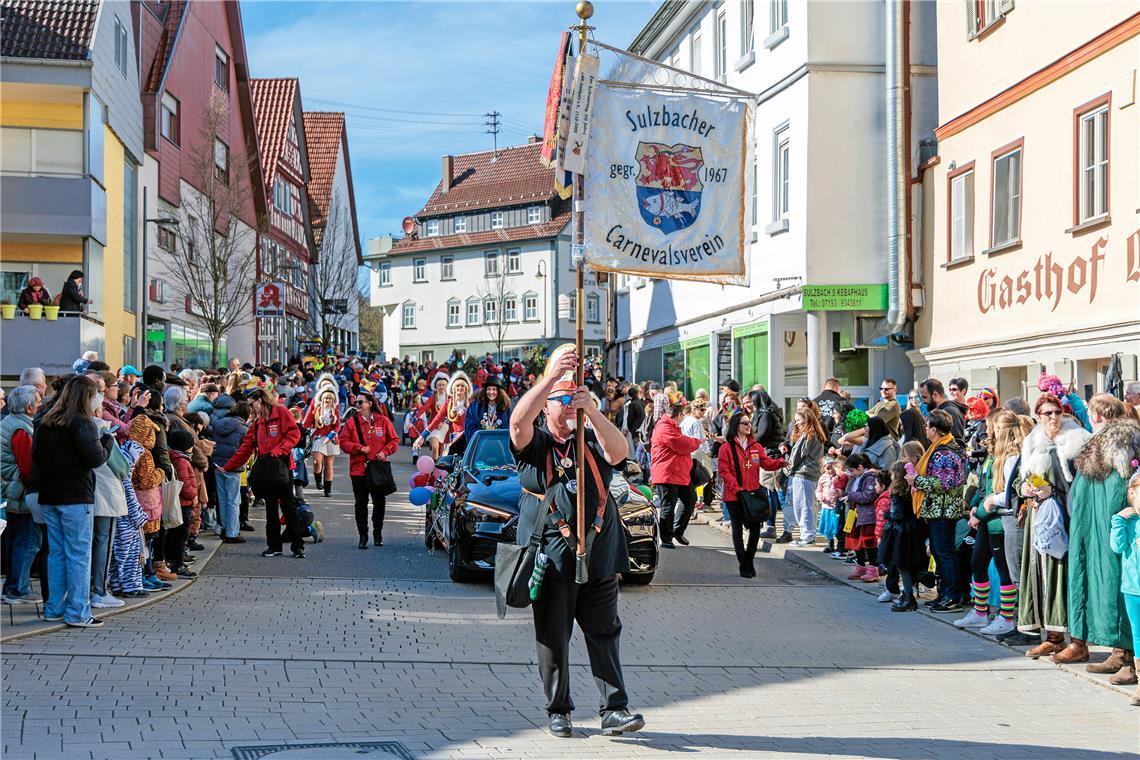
[(666, 184)]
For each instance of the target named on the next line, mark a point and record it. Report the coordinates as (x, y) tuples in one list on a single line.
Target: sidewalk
[(814, 558), (18, 621)]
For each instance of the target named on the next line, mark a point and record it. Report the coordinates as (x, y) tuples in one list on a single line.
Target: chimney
[(533, 139), (448, 172)]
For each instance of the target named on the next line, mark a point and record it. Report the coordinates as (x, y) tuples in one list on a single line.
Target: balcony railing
[(53, 345), (53, 205)]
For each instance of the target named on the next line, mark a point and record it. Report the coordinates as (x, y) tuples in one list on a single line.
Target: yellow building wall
[(16, 113), (48, 253), (117, 321)]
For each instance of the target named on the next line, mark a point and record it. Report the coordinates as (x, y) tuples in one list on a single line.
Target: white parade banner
[(581, 107), (667, 186)]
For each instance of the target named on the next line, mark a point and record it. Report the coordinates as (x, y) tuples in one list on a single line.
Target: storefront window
[(851, 366), (795, 358), (752, 360), (674, 367), (696, 370)]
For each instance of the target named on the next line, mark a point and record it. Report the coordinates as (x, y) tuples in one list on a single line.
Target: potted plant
[(51, 312), (7, 310), (35, 310)]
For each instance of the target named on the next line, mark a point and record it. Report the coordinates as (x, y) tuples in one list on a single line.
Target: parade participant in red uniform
[(368, 436), (322, 420), (451, 417), (739, 463), (429, 409)]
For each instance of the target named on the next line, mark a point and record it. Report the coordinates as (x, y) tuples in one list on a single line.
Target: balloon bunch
[(424, 481)]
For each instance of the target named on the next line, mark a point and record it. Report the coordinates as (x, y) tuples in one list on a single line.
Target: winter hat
[(1051, 384), (181, 440), (990, 396), (79, 366)]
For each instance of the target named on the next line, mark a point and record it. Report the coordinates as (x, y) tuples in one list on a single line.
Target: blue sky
[(433, 67)]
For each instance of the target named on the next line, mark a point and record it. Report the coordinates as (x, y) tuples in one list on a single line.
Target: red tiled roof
[(487, 237), (483, 181), (175, 11), (323, 133), (54, 29), (273, 101)]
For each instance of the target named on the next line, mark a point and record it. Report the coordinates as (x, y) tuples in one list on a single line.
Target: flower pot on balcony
[(8, 311), (51, 313), (35, 310)]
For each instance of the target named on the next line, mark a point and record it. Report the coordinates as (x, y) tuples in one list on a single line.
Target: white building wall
[(340, 201)]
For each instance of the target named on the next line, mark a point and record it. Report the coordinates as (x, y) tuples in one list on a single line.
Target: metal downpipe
[(897, 181)]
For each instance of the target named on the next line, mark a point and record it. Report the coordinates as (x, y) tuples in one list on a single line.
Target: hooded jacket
[(671, 457), (64, 460), (227, 432)]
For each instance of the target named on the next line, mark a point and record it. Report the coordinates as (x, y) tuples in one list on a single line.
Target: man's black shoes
[(560, 725), (271, 553), (681, 540), (363, 542), (299, 553), (619, 722)]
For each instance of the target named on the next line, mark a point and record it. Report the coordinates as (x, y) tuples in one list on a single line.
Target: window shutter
[(1005, 6), (971, 19)]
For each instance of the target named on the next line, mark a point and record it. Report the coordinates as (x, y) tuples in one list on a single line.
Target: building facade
[(69, 175), (487, 267), (817, 207), (1032, 252)]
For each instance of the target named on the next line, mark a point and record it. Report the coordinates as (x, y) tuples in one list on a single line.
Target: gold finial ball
[(584, 9)]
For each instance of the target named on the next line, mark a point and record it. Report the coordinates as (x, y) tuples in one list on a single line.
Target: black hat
[(181, 440), (492, 382)]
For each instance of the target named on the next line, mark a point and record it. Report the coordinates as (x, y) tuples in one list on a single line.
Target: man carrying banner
[(547, 457)]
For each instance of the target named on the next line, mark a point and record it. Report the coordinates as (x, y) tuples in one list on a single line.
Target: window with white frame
[(432, 227), (122, 46), (695, 50), (514, 261), (221, 69), (460, 224), (962, 214), (221, 162), (419, 270), (530, 307), (453, 313), (474, 310), (593, 308), (169, 123), (490, 311), (491, 264), (781, 168), (385, 274), (755, 191), (572, 313), (674, 58), (1006, 211), (447, 268), (720, 45), (510, 308), (1092, 163), (779, 15), (498, 220), (409, 322), (747, 32), (534, 215), (983, 14)]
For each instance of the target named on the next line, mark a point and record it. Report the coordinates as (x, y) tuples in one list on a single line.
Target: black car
[(478, 507)]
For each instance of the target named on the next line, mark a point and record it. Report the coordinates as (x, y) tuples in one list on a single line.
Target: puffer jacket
[(227, 432), (223, 405), (671, 456)]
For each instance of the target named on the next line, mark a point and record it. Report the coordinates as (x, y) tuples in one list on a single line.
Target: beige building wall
[(1067, 296)]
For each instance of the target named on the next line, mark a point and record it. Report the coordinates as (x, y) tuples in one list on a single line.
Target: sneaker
[(972, 619), (53, 618), (271, 553), (887, 596), (28, 598), (91, 622), (105, 601), (137, 594), (667, 545), (947, 605), (999, 627), (838, 555), (185, 572), (247, 528), (233, 540), (298, 554), (193, 545)]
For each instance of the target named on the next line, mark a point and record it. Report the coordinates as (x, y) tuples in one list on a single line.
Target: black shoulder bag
[(514, 564), (753, 504), (269, 473), (377, 474)]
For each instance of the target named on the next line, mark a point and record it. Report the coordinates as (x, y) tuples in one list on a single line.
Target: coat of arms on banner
[(669, 185)]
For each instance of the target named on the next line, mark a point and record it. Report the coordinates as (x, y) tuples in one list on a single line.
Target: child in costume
[(323, 421)]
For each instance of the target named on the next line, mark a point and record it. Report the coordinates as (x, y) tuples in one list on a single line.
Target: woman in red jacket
[(739, 463), (671, 467), (368, 436)]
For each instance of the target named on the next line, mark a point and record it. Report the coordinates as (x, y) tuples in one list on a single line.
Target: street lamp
[(141, 330)]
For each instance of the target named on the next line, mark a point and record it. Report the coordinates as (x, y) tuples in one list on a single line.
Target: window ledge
[(957, 263), (513, 274), (777, 227), (1012, 245), (986, 31), (446, 279), (419, 282), (745, 61), (1089, 224), (530, 321), (776, 37)]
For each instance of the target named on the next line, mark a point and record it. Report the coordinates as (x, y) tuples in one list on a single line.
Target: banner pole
[(584, 10)]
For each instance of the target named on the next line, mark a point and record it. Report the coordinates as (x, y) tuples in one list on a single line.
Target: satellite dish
[(409, 225)]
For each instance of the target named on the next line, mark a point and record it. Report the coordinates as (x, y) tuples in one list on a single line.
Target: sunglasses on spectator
[(890, 388), (1052, 413), (955, 388), (564, 400)]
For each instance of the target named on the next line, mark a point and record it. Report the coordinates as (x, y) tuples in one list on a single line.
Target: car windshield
[(492, 452)]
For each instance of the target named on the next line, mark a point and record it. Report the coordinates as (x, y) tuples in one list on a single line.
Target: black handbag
[(377, 474), (753, 504), (514, 565), (699, 474), (269, 474)]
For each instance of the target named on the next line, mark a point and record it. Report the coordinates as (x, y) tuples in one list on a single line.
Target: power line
[(393, 110), (493, 124)]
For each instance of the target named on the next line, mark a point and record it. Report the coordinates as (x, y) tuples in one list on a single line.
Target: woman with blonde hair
[(323, 422)]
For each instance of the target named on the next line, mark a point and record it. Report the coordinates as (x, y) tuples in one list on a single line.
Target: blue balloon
[(420, 496)]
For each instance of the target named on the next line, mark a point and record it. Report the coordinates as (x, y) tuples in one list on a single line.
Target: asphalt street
[(348, 652)]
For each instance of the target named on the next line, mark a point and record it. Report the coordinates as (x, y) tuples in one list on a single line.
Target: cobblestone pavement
[(377, 645)]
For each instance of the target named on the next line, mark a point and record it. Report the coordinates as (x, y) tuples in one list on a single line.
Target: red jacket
[(752, 459), (671, 460), (454, 427), (184, 471), (378, 434), (310, 421), (275, 435)]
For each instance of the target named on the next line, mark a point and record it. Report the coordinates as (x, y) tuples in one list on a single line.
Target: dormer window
[(432, 227), (534, 215), (461, 224), (498, 220)]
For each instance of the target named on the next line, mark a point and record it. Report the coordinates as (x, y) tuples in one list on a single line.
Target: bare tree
[(371, 325), (333, 279), (213, 267), (494, 289)]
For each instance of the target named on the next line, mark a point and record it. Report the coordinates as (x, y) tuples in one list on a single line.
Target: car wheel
[(642, 579), (458, 573)]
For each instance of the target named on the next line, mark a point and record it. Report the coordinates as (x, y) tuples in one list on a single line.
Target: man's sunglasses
[(564, 400)]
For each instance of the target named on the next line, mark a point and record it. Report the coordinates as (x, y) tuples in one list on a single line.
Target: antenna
[(493, 129)]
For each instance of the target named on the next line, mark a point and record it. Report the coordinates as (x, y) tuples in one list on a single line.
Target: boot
[(1115, 662), (1126, 676), (163, 573), (860, 571), (1077, 651), (1135, 701), (320, 483), (1053, 643), (872, 574), (328, 487)]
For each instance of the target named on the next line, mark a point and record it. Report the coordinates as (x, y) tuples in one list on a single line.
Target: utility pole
[(492, 124)]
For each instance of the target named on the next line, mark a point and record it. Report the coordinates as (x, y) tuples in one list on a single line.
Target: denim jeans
[(25, 545), (104, 530), (942, 547), (69, 528), (802, 492), (229, 497)]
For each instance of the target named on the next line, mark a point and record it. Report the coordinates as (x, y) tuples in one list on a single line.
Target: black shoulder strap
[(736, 463), (359, 430)]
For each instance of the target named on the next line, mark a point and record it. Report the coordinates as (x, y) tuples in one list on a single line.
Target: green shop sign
[(844, 297)]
